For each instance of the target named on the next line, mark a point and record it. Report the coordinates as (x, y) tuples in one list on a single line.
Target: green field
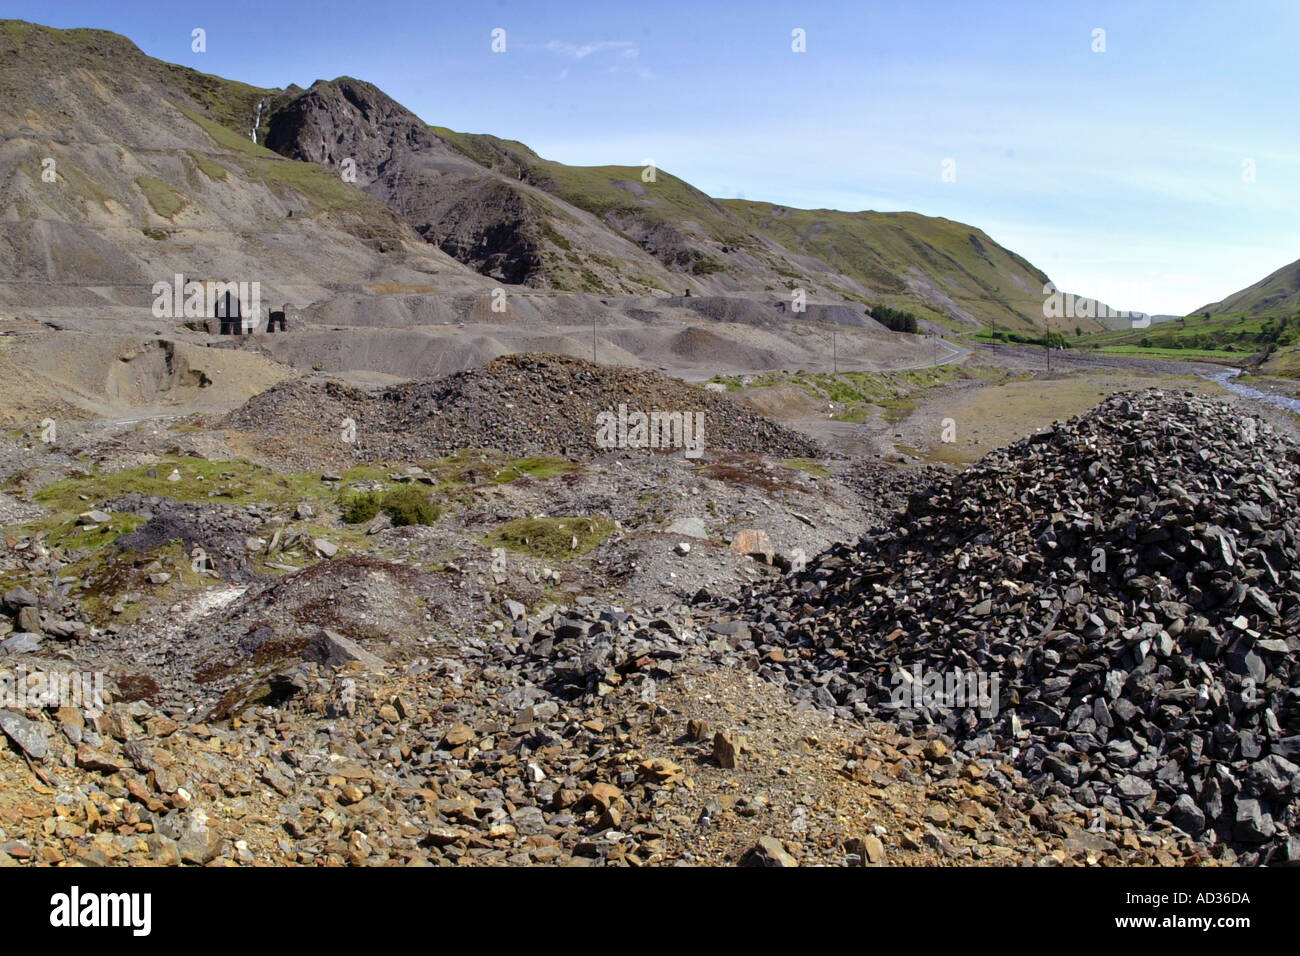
[(1231, 339), (860, 393)]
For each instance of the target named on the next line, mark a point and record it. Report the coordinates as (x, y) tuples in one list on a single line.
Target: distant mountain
[(160, 168), (497, 206), (947, 266)]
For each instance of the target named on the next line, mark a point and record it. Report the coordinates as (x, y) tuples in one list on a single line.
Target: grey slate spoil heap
[(518, 404), (1160, 682)]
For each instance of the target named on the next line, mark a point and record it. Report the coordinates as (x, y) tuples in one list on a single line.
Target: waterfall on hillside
[(257, 122)]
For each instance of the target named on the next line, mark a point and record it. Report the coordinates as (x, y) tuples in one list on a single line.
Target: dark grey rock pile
[(517, 404), (219, 530), (577, 653), (1132, 577)]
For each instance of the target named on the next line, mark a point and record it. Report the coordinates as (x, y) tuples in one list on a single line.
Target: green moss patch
[(552, 538)]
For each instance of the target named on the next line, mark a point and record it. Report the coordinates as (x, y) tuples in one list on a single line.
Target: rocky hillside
[(203, 194), (119, 170), (492, 222)]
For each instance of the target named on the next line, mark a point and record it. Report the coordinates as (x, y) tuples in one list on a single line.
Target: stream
[(1226, 379)]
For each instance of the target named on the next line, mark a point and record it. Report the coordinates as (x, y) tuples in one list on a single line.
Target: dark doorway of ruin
[(227, 310)]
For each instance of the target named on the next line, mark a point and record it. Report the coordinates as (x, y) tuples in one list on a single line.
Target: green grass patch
[(807, 465), (1188, 355), (1229, 338), (1045, 339), (237, 482), (411, 506), (470, 466), (207, 165), (82, 185), (854, 414), (73, 537), (361, 507), (554, 238), (164, 200), (241, 482), (538, 466), (322, 187), (552, 538), (858, 393), (896, 410)]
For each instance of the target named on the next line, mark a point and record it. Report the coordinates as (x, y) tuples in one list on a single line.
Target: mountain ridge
[(499, 208)]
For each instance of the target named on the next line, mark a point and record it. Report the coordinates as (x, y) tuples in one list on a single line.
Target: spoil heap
[(517, 404), (1131, 577)]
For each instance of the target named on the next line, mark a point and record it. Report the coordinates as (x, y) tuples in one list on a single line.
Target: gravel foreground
[(1129, 577)]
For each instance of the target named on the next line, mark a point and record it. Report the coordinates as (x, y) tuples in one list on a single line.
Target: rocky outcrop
[(472, 214)]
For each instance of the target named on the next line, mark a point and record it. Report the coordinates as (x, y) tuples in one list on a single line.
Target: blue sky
[(1119, 173)]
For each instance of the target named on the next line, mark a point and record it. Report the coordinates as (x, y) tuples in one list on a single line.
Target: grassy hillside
[(942, 270), (1276, 294), (224, 110), (321, 187), (1274, 299), (914, 261), (30, 45)]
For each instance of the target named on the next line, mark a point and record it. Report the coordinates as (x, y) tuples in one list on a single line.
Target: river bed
[(1227, 380)]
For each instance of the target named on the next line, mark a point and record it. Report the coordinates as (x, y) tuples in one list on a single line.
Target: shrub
[(896, 320), (406, 506), (360, 508)]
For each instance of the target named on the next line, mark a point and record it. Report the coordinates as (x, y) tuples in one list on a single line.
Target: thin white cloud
[(640, 71), (576, 51)]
